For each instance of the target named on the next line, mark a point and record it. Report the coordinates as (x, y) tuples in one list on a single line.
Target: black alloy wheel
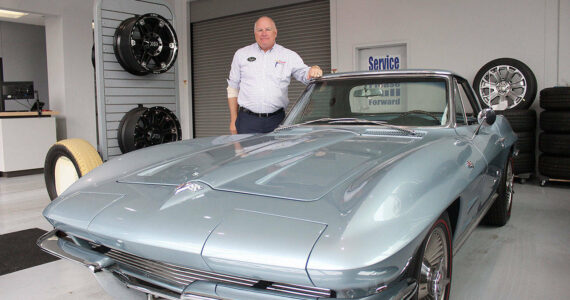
[(143, 127), (146, 44)]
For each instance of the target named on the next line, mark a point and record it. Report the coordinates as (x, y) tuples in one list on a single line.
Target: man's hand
[(233, 129), (314, 72)]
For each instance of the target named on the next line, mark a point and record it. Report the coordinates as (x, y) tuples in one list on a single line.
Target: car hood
[(299, 164)]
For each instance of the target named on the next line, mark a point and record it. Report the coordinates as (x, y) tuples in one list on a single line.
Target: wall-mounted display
[(146, 44)]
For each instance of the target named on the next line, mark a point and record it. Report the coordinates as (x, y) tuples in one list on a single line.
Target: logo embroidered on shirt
[(250, 59), (277, 62)]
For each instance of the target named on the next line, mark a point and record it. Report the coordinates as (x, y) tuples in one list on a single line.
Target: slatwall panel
[(117, 90), (303, 28)]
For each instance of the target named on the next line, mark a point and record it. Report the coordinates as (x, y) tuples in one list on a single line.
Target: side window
[(470, 111), (459, 113)]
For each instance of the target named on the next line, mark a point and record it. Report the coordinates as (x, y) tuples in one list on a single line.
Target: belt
[(261, 115)]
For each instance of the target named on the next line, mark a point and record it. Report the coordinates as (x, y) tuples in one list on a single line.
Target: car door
[(487, 142)]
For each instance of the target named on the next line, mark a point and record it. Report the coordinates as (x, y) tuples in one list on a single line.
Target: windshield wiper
[(349, 121)]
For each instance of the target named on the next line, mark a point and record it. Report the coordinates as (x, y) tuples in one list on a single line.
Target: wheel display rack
[(118, 90)]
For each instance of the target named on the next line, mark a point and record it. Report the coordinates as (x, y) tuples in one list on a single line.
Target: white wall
[(564, 43), (457, 35), (23, 52), (70, 74)]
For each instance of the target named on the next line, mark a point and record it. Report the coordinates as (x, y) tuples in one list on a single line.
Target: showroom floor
[(529, 258)]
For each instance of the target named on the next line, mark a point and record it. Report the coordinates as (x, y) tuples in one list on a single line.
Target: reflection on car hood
[(299, 164)]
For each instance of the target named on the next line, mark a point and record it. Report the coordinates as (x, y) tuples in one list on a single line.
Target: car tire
[(494, 76), (67, 161), (552, 166), (500, 212), (520, 120), (554, 144), (555, 98), (434, 277), (525, 142), (555, 121)]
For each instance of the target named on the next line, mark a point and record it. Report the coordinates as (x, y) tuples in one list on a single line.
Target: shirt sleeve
[(234, 78), (299, 69)]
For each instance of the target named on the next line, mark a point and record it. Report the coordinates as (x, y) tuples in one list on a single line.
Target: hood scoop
[(393, 132)]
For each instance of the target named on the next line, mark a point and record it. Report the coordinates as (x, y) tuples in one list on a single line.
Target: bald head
[(265, 33)]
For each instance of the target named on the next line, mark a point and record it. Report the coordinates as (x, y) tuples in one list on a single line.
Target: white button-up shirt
[(263, 77)]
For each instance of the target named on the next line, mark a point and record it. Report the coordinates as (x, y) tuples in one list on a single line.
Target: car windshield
[(392, 101)]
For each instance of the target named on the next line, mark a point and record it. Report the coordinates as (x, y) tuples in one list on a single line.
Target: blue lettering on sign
[(384, 102), (383, 63)]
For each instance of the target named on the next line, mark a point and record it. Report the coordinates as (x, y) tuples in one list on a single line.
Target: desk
[(25, 140)]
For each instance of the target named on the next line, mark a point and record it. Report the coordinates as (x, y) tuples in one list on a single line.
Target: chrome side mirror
[(485, 117)]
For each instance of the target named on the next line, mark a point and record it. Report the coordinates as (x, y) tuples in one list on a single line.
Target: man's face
[(265, 33)]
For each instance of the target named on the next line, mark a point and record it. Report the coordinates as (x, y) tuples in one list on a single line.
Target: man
[(259, 79)]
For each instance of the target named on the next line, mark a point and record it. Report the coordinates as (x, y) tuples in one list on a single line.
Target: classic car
[(366, 191)]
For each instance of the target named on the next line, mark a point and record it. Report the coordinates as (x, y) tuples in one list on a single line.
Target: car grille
[(185, 276)]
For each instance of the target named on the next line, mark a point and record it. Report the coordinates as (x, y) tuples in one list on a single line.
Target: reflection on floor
[(529, 258)]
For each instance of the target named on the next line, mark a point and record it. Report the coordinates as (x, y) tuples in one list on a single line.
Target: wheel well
[(453, 213)]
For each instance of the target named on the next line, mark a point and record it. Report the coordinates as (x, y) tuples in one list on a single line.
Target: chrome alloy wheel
[(503, 87), (509, 191), (434, 277)]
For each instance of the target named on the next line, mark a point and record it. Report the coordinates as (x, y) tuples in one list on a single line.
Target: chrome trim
[(376, 73), (56, 246), (54, 243), (463, 238), (181, 275), (185, 276)]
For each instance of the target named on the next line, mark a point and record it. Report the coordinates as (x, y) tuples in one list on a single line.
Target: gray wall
[(23, 52)]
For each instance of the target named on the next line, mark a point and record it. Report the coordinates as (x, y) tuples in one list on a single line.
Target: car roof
[(419, 72)]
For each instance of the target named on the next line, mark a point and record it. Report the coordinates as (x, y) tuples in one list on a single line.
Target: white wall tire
[(67, 161)]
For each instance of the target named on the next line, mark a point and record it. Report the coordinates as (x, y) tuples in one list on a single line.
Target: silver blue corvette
[(366, 191)]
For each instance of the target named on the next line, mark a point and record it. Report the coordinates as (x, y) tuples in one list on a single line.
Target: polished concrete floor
[(529, 258)]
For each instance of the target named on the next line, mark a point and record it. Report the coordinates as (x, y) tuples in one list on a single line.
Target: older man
[(259, 80)]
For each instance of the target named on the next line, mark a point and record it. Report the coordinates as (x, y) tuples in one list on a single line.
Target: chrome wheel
[(434, 275), (503, 87)]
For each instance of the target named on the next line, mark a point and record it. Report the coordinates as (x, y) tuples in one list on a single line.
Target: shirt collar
[(268, 51)]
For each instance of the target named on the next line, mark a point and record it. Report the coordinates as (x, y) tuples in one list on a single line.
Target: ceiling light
[(11, 14)]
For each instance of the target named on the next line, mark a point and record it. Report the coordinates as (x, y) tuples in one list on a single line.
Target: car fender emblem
[(470, 164), (188, 186)]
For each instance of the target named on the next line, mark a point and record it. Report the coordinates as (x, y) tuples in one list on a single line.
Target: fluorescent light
[(11, 14)]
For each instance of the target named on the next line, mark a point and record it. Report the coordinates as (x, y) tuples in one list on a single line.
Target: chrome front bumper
[(135, 274)]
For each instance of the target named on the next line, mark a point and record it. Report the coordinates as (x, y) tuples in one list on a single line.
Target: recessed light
[(11, 14)]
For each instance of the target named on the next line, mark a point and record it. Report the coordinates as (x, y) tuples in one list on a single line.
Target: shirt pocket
[(282, 73)]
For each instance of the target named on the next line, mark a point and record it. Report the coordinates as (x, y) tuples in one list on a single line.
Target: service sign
[(387, 97)]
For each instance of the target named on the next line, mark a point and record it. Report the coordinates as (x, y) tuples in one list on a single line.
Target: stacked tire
[(509, 87), (523, 123), (554, 140)]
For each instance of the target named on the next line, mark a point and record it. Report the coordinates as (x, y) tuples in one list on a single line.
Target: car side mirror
[(486, 117)]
